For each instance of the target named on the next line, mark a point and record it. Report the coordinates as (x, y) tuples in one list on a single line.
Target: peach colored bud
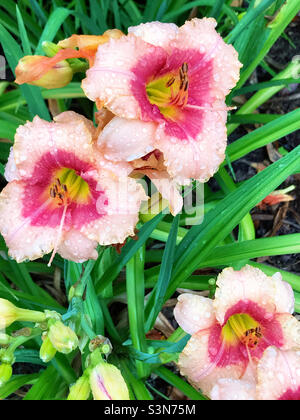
[(30, 68), (107, 383)]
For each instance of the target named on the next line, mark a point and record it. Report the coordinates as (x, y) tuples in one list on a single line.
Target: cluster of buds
[(56, 336)]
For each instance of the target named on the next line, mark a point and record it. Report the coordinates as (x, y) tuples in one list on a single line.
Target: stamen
[(59, 235)]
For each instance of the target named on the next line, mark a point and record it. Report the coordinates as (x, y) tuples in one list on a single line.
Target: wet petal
[(25, 242), (155, 33), (121, 210), (279, 375), (194, 313), (233, 390), (127, 140), (76, 247)]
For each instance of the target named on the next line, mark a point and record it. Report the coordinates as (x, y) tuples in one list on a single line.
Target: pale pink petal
[(233, 390), (251, 284), (109, 79), (195, 363), (198, 157), (25, 242), (71, 133), (124, 196), (279, 375), (200, 34), (167, 187), (127, 140), (11, 172), (156, 33), (290, 330), (194, 313), (78, 248)]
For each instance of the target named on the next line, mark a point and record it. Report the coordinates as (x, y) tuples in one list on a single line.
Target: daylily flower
[(55, 71), (107, 383), (167, 87), (63, 196), (277, 378), (250, 312)]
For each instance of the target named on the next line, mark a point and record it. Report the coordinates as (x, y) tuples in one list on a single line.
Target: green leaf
[(156, 299), (16, 382), (131, 247), (54, 22), (31, 94)]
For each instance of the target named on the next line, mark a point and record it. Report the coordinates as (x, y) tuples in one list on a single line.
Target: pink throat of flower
[(62, 187), (247, 331), (174, 89)]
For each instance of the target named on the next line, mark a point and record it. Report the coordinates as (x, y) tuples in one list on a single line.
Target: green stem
[(136, 296)]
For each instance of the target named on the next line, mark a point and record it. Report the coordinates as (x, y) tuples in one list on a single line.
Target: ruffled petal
[(200, 34), (198, 157), (194, 313), (279, 375), (109, 79), (25, 242), (127, 140), (291, 331), (155, 33), (70, 133), (233, 390), (251, 284), (202, 365), (76, 247), (123, 197)]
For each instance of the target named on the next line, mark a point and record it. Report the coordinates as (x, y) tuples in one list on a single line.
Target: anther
[(170, 82)]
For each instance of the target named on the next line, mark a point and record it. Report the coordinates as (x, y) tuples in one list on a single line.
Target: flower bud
[(9, 313), (5, 373), (34, 69), (47, 350), (62, 337), (80, 390), (107, 383)]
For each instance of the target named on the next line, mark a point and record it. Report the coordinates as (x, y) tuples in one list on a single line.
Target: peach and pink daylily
[(250, 313), (62, 195), (166, 87)]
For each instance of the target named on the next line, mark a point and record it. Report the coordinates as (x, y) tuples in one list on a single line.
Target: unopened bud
[(47, 350), (9, 313), (34, 70), (62, 337), (107, 383), (80, 390), (5, 373)]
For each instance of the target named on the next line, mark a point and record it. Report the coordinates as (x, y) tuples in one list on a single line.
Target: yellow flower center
[(242, 328), (169, 92), (68, 187)]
